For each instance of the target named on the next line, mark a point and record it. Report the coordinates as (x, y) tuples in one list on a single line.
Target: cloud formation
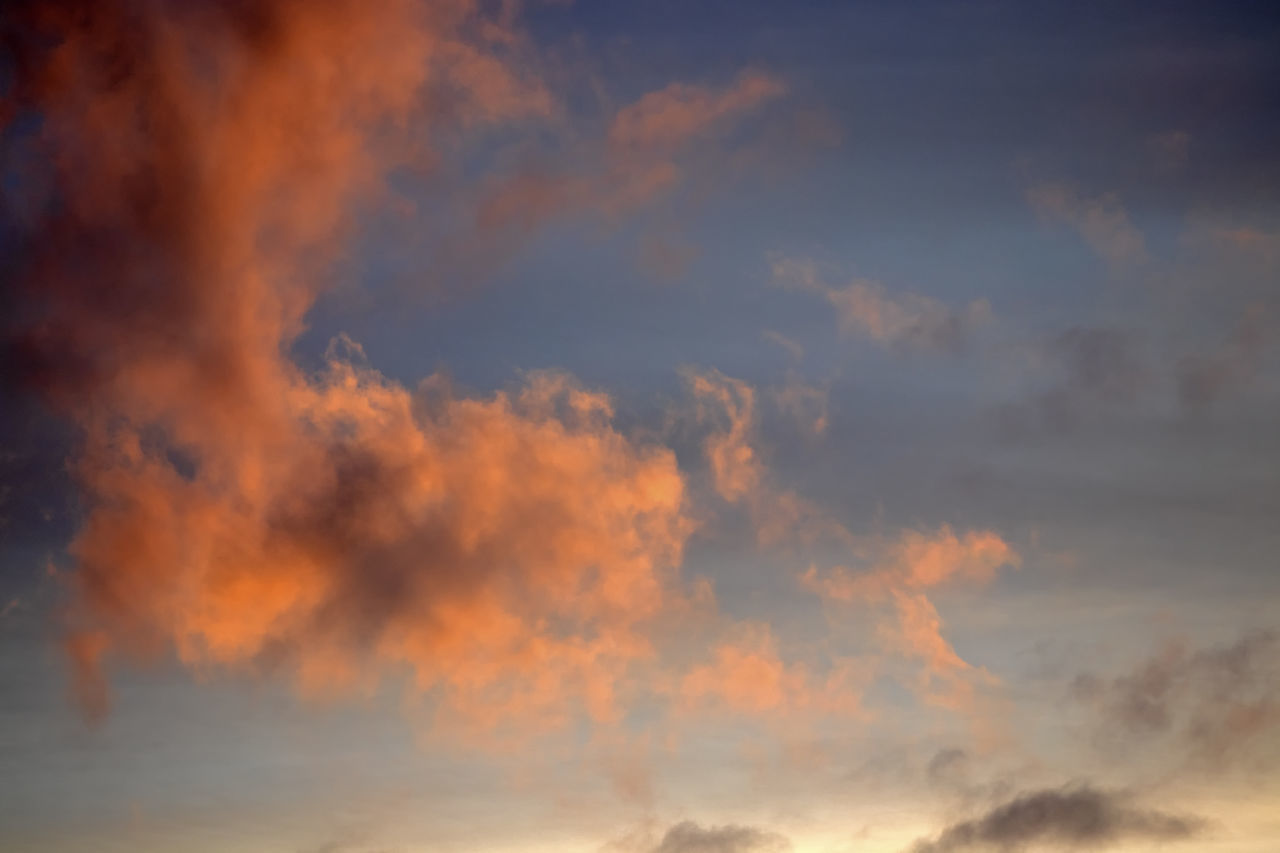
[(1087, 371), (1101, 220), (746, 674), (689, 837), (1206, 378), (728, 407), (897, 573), (1071, 817), (247, 514), (639, 160), (904, 320), (670, 117), (1215, 707)]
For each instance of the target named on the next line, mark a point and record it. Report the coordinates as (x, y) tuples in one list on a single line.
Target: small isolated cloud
[(689, 837), (1101, 220), (1082, 817), (904, 320)]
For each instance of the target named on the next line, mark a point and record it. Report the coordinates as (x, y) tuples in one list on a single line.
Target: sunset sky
[(665, 426)]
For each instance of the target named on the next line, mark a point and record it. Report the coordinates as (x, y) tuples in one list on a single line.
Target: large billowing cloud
[(201, 161), (1076, 818)]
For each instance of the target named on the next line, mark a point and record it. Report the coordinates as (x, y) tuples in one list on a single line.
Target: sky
[(639, 427)]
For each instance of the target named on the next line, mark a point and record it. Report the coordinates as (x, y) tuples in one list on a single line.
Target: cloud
[(747, 675), (247, 514), (794, 349), (728, 406), (1070, 817), (1204, 379), (671, 117), (1215, 707), (1098, 365), (736, 469), (897, 573), (639, 160), (1088, 370), (905, 320), (689, 837), (806, 405), (917, 560), (1101, 220)]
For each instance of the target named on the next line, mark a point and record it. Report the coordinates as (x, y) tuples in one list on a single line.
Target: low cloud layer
[(1076, 818), (689, 837)]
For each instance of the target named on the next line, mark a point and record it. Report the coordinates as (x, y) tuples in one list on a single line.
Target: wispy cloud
[(1101, 221), (1214, 707), (904, 320)]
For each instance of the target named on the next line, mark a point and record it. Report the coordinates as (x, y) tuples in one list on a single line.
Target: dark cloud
[(947, 765), (689, 837), (1088, 371), (1216, 705), (1074, 817), (1205, 378)]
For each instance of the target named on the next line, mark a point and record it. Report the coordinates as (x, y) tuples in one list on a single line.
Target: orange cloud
[(738, 473), (638, 161), (672, 116), (506, 552), (918, 560), (747, 675), (900, 572), (735, 467)]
